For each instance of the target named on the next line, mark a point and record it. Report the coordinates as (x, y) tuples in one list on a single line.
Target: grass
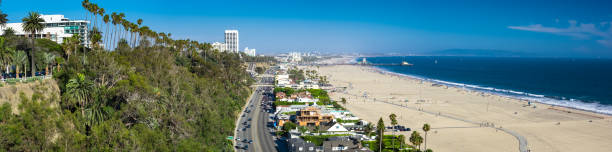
[(387, 143), (347, 121), (279, 103), (12, 81), (290, 113)]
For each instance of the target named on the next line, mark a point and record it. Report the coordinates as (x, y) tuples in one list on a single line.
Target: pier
[(364, 62)]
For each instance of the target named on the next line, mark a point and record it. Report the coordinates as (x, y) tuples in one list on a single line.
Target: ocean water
[(576, 83)]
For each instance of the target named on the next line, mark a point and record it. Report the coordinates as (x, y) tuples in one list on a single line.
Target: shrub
[(12, 81)]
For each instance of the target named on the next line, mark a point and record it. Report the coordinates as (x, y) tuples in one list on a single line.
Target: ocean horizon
[(574, 83)]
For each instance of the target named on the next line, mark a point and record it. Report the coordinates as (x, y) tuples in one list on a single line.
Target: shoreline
[(523, 96), (435, 81), (546, 128)]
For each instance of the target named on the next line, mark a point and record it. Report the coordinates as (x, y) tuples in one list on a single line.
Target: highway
[(255, 128)]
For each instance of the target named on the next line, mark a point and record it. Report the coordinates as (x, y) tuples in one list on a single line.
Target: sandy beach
[(464, 120)]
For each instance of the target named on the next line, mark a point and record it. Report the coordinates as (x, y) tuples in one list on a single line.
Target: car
[(238, 139), (250, 141)]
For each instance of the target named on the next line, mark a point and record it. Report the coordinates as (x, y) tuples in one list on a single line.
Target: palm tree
[(79, 89), (106, 20), (19, 59), (3, 19), (85, 4), (402, 140), (416, 139), (368, 129), (114, 22), (70, 45), (101, 12), (32, 24), (48, 58), (381, 133), (426, 128), (95, 113), (139, 22), (393, 118), (95, 38), (6, 54), (94, 11)]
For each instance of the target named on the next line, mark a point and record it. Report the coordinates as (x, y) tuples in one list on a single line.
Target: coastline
[(546, 128), (463, 86), (563, 105)]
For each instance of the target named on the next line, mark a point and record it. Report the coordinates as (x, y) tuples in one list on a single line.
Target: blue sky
[(555, 28)]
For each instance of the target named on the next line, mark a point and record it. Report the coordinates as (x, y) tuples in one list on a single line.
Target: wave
[(550, 100)]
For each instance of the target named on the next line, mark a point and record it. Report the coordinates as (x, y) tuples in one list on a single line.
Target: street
[(255, 128)]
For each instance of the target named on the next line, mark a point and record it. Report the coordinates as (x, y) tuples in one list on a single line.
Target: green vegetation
[(346, 121), (290, 113), (296, 75), (380, 131), (260, 70), (288, 91), (151, 93), (388, 144), (287, 126), (284, 103), (416, 139), (318, 140)]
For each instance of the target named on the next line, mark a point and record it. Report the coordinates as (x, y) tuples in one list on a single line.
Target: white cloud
[(602, 33)]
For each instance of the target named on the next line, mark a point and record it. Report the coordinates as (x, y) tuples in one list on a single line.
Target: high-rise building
[(57, 27), (231, 41), (219, 46), (249, 52)]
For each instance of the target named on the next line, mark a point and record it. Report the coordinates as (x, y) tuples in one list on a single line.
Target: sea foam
[(563, 102)]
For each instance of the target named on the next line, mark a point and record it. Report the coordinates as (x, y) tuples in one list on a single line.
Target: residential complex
[(232, 41), (57, 28), (311, 116), (249, 52), (221, 47)]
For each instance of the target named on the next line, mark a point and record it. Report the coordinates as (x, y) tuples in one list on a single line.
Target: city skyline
[(541, 28)]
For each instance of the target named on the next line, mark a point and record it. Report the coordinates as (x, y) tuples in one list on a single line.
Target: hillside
[(11, 94)]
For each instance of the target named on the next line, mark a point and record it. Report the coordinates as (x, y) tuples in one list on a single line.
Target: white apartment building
[(249, 52), (219, 46), (57, 27), (232, 41)]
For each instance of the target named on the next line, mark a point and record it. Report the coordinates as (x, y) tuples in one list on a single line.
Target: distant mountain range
[(478, 52)]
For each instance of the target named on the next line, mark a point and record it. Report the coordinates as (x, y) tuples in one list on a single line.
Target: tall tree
[(79, 90), (393, 118), (19, 59), (3, 19), (139, 22), (101, 12), (85, 5), (381, 133), (105, 41), (71, 44), (48, 59), (416, 139), (33, 24), (426, 128), (367, 130), (6, 55), (114, 21)]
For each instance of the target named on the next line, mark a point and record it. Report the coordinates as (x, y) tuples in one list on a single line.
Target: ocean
[(575, 83)]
